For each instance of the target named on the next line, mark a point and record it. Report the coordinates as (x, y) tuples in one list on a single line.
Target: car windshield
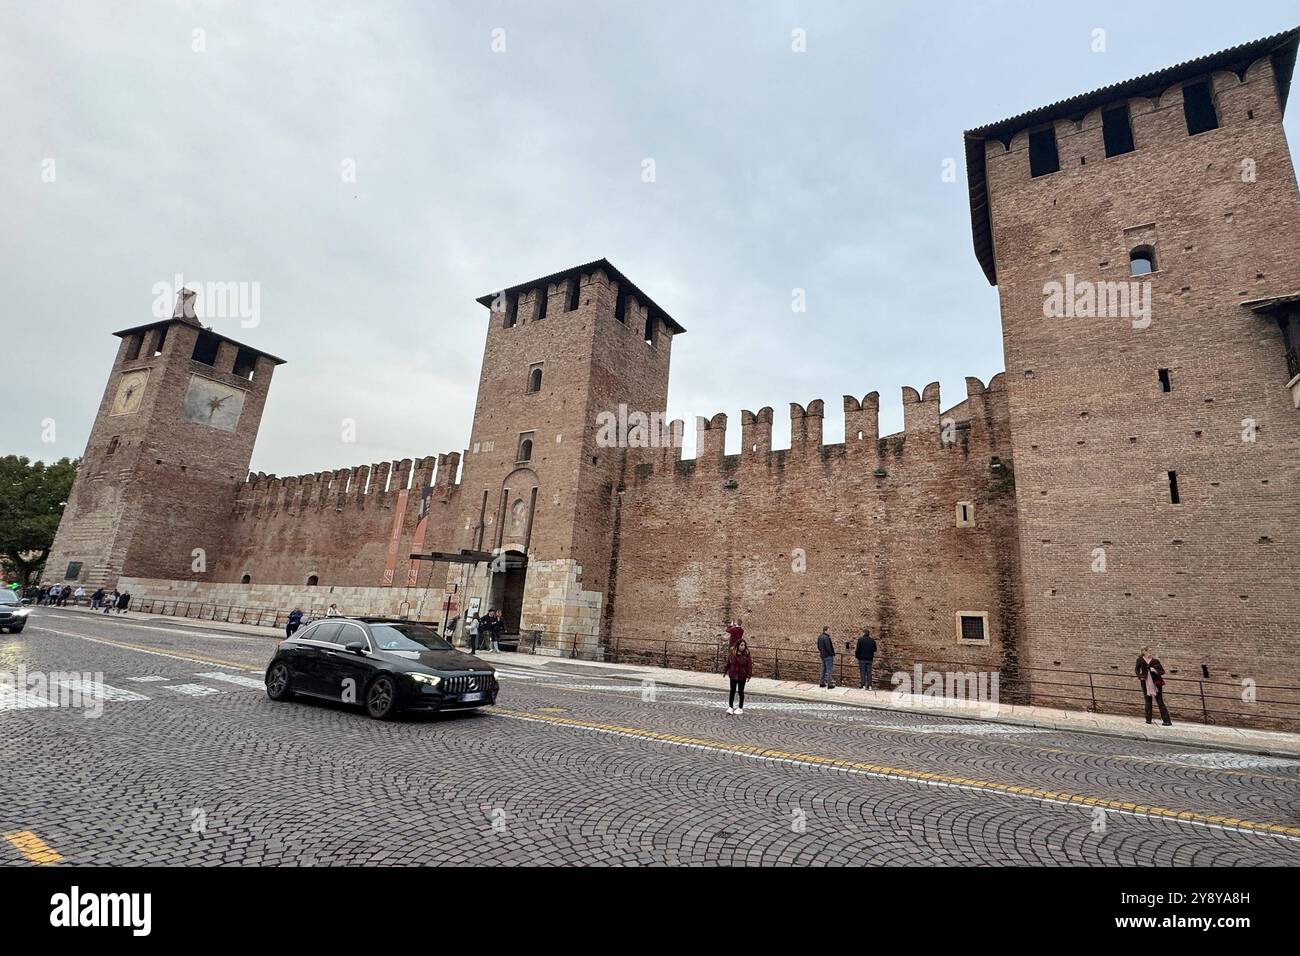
[(8, 597), (407, 637)]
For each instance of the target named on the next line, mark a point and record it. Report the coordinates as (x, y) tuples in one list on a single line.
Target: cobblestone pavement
[(190, 763)]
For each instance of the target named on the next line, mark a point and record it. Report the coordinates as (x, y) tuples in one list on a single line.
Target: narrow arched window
[(1142, 261), (312, 581), (246, 579), (525, 447), (535, 380)]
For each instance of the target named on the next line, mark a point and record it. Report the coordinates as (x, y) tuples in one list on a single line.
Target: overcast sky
[(477, 168)]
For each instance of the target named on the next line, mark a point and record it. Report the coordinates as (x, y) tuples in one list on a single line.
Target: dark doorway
[(508, 590)]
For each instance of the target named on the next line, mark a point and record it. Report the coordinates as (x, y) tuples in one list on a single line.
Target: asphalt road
[(188, 762)]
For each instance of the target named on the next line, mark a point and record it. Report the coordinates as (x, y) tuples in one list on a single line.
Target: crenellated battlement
[(977, 424), (360, 486)]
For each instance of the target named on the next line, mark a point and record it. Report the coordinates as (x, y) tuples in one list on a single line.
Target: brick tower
[(540, 485), (1145, 240), (169, 448)]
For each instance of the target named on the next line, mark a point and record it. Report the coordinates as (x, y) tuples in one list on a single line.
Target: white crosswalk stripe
[(234, 679), (195, 690), (13, 699), (1232, 761), (91, 689), (148, 679)]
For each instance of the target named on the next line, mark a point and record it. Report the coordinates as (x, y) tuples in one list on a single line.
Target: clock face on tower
[(130, 391), (212, 403)]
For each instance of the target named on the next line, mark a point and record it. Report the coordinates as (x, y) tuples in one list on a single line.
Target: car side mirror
[(356, 647)]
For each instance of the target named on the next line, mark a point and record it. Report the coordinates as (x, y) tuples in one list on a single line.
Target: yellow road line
[(916, 776), (153, 650), (33, 847), (1010, 744)]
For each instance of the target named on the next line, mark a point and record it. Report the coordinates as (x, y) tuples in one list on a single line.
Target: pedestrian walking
[(111, 602), (471, 631), (1151, 674), (865, 652), (123, 602), (740, 668), (78, 595), (497, 625), (734, 633), (294, 622), (826, 649), (97, 599)]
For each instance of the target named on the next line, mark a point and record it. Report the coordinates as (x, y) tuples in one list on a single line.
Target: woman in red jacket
[(740, 667)]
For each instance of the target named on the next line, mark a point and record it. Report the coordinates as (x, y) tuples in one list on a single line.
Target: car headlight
[(430, 679), (23, 612)]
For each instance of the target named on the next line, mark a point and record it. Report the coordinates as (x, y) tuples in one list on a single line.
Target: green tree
[(32, 496)]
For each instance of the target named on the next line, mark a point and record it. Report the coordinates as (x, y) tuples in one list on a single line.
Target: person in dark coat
[(1151, 675), (740, 668), (865, 652), (97, 599), (123, 602), (826, 649), (295, 622)]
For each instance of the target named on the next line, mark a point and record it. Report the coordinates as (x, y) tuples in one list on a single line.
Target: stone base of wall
[(556, 604), (423, 604)]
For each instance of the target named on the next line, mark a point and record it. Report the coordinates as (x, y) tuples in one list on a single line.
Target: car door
[(344, 674), (314, 643)]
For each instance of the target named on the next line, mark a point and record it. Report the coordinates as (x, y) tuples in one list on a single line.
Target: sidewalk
[(1240, 739)]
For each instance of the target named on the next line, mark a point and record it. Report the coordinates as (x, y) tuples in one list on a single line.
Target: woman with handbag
[(1151, 673), (740, 667)]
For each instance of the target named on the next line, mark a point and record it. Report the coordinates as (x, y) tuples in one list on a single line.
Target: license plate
[(470, 698)]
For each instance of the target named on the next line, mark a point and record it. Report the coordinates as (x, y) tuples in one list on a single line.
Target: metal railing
[(1203, 700), (1196, 699)]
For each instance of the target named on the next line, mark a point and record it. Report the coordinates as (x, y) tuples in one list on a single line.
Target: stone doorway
[(507, 592)]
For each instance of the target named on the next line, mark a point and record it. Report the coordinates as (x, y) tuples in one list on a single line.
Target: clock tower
[(169, 448)]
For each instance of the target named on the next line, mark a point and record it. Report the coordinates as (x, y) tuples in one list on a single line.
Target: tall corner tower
[(169, 447), (539, 489), (1145, 241)]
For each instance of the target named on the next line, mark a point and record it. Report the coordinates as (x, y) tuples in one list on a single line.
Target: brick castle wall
[(1211, 580)]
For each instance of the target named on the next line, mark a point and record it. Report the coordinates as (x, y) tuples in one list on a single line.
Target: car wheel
[(277, 682), (381, 698)]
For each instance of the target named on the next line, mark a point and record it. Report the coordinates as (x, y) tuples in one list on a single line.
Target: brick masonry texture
[(1063, 458), (1210, 580)]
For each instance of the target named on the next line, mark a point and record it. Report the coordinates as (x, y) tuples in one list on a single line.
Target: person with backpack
[(740, 668), (865, 652), (826, 650), (1151, 675)]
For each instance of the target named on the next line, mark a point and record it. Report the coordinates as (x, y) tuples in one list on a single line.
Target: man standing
[(78, 595), (734, 633), (294, 622), (865, 652), (826, 648), (471, 632)]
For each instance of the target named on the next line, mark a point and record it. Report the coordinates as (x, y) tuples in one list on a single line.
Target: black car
[(386, 665), (12, 613)]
